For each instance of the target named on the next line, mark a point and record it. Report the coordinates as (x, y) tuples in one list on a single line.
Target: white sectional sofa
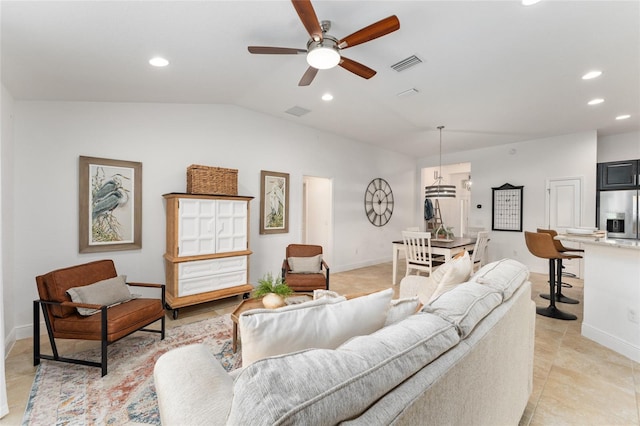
[(465, 358)]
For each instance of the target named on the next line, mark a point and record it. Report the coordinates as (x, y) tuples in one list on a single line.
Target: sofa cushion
[(305, 265), (323, 386), (400, 309), (506, 276), (324, 323), (465, 306), (106, 292), (454, 272), (192, 387)]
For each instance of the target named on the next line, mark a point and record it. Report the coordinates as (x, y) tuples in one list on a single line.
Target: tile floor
[(576, 381)]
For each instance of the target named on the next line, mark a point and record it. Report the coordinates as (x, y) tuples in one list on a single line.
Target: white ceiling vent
[(298, 111), (407, 92), (406, 63)]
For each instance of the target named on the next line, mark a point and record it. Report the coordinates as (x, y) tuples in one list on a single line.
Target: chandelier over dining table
[(437, 189)]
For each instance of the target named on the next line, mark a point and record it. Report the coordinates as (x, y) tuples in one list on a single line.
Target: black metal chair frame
[(37, 355)]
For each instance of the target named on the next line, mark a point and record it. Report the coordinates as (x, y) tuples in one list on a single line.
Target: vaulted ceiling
[(491, 72)]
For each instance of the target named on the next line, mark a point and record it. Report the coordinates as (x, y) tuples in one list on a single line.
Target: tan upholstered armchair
[(303, 268), (96, 285)]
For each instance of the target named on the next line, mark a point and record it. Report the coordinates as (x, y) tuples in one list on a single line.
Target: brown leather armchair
[(308, 280), (108, 325)]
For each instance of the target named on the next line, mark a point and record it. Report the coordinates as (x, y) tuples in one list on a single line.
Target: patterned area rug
[(69, 394)]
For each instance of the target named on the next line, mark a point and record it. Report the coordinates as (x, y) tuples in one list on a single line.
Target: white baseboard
[(622, 347), (9, 341)]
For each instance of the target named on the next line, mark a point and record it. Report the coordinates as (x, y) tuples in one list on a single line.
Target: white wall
[(319, 199), (167, 138), (6, 231), (621, 147), (530, 164)]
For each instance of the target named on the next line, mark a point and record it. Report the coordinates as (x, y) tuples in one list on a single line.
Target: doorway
[(564, 210), (454, 212), (317, 214)]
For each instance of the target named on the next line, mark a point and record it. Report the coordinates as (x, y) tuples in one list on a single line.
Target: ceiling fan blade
[(308, 17), (308, 76), (266, 50), (373, 31), (357, 68)]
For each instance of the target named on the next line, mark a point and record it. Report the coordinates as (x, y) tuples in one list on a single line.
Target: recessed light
[(592, 74), (595, 101), (327, 97), (529, 2), (158, 62), (623, 117)]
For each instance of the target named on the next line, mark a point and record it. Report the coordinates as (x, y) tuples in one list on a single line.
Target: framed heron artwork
[(110, 204), (274, 202)]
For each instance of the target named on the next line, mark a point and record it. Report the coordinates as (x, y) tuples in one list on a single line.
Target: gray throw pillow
[(305, 265), (106, 292)]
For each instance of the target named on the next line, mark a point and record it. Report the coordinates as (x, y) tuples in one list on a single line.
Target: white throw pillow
[(322, 294), (417, 285), (452, 273), (400, 309), (325, 323), (305, 265), (106, 292)]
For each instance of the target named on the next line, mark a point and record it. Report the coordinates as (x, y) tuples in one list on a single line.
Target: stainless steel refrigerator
[(618, 213)]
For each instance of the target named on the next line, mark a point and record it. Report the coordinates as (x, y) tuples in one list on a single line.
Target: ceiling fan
[(323, 50)]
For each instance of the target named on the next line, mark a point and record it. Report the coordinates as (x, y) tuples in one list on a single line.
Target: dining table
[(447, 248)]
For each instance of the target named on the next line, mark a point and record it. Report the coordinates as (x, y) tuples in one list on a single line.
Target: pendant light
[(437, 189)]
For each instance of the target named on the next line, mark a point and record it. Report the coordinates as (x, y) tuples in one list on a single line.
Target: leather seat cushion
[(122, 319), (304, 282)]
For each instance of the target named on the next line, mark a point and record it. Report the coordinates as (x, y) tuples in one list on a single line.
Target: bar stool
[(541, 245), (559, 284)]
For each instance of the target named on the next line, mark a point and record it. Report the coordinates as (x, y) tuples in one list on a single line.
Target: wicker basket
[(211, 180)]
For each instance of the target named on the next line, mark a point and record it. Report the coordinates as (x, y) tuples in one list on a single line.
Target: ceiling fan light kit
[(323, 50), (323, 54)]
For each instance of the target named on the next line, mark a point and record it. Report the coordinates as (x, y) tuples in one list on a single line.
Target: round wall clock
[(378, 202)]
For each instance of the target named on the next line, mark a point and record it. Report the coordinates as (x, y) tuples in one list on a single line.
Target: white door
[(196, 230), (564, 210), (231, 226)]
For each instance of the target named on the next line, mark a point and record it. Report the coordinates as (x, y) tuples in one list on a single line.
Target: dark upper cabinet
[(618, 175)]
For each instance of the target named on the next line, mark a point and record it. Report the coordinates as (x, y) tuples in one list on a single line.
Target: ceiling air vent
[(406, 63), (298, 111)]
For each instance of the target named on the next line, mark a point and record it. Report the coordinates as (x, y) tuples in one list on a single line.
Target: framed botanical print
[(507, 208), (274, 202), (110, 205)]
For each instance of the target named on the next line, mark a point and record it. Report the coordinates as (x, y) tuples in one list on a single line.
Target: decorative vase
[(273, 301)]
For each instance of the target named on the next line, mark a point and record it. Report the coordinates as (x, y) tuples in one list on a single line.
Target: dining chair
[(479, 254), (417, 250)]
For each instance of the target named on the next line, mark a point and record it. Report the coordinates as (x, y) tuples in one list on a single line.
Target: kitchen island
[(611, 311)]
